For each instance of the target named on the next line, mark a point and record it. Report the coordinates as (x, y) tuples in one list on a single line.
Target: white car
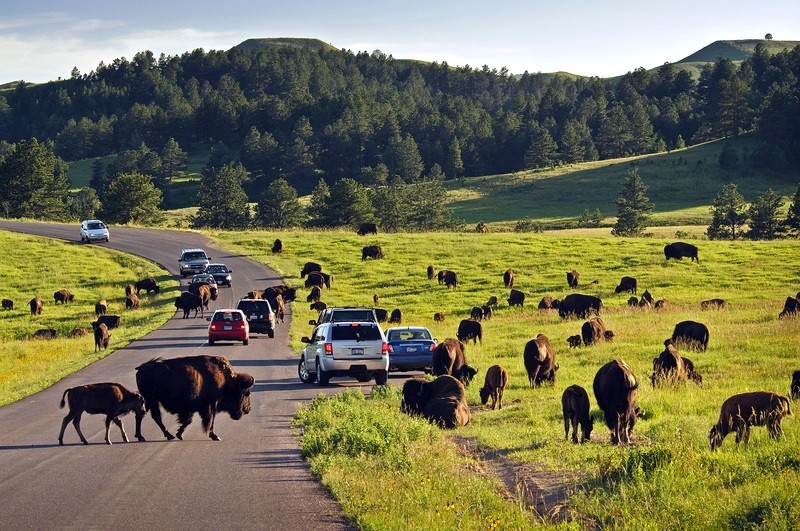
[(93, 230)]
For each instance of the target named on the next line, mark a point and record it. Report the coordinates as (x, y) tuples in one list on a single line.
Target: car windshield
[(194, 256), (408, 335), (227, 316), (217, 269), (96, 225), (356, 332), (202, 278)]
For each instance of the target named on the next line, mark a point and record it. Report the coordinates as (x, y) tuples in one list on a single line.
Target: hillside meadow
[(667, 479), (34, 265)]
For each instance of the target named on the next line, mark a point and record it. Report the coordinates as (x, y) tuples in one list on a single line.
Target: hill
[(294, 42)]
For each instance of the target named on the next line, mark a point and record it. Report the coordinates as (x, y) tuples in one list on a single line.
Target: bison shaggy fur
[(110, 399), (616, 390), (575, 408), (493, 386), (739, 412), (442, 402), (540, 361)]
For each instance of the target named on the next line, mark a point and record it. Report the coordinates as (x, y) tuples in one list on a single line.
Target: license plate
[(253, 317), (357, 351), (411, 349), (228, 328)]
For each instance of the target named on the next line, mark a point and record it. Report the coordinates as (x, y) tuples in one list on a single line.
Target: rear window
[(352, 315), (406, 335), (227, 316), (217, 269), (249, 307), (356, 333)]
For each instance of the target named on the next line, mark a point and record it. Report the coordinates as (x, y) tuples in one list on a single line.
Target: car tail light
[(213, 326), (433, 347), (329, 349), (391, 349), (386, 348)]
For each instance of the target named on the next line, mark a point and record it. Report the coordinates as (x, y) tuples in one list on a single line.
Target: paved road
[(252, 479)]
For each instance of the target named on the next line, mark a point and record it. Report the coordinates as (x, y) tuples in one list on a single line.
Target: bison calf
[(438, 317), (574, 341), (575, 407), (8, 304), (111, 399), (494, 385), (101, 336), (741, 411)]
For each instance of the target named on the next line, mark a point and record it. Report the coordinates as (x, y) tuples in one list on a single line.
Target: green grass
[(668, 478), (39, 266)]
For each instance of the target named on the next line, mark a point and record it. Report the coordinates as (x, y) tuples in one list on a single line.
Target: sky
[(43, 40)]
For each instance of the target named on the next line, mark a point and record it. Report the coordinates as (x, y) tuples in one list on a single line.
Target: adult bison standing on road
[(188, 302), (680, 250), (616, 389), (194, 384), (578, 305)]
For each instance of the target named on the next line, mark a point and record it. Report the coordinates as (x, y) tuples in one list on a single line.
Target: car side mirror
[(305, 339), (208, 318), (312, 322)]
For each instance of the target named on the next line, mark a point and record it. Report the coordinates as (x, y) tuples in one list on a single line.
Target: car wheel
[(271, 333), (363, 377), (322, 376), (381, 377), (210, 342), (245, 341), (305, 376)]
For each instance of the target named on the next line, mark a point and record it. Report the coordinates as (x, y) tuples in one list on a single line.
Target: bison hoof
[(170, 436), (141, 438), (214, 436), (85, 442), (60, 442), (179, 435), (109, 443)]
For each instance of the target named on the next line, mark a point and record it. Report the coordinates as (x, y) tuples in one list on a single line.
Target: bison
[(101, 307), (540, 361), (381, 314), (508, 278), (692, 334), (616, 389), (574, 341), (367, 228), (469, 329), (487, 312), (626, 284), (318, 278), (795, 385), (549, 303), (45, 333), (130, 289), (661, 304), (372, 251), (376, 299), (633, 302), (131, 302), (36, 305), (790, 307), (442, 402), (493, 386), (318, 306), (194, 384), (279, 306), (438, 317), (111, 321), (8, 304), (440, 276), (516, 298), (101, 336), (739, 412), (188, 302), (712, 304), (578, 305), (680, 250), (476, 314), (492, 301), (147, 284), (647, 299), (396, 317), (111, 399), (204, 291), (594, 330), (310, 267), (449, 358), (572, 279), (431, 272), (669, 366), (314, 295), (450, 279), (277, 247), (575, 408), (63, 296)]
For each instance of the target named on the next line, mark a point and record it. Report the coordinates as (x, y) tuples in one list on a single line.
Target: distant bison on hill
[(450, 279), (572, 279), (367, 228), (680, 250), (372, 251), (508, 278), (111, 321), (317, 278), (713, 304), (626, 284), (431, 272), (309, 267), (36, 305), (63, 296), (8, 304), (516, 298), (277, 247)]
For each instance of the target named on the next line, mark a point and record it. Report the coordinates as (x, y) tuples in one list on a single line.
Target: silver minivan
[(351, 349), (93, 230)]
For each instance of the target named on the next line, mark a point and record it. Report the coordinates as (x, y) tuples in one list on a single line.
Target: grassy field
[(40, 266), (667, 479)]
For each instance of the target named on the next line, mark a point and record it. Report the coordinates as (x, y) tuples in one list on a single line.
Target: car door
[(315, 348)]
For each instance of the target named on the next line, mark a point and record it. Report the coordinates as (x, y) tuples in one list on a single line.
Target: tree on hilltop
[(634, 206)]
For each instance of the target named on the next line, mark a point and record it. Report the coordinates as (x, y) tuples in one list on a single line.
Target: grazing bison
[(376, 299), (795, 386), (516, 298), (79, 332), (315, 295), (381, 314), (45, 333), (101, 336), (574, 341), (449, 358), (493, 386), (440, 276), (468, 329), (647, 299), (634, 302), (712, 304), (487, 312), (36, 305), (442, 402), (616, 389), (691, 334), (277, 247), (318, 306), (131, 302), (188, 302), (594, 330), (111, 321), (111, 399), (101, 307), (194, 384), (372, 251), (438, 317), (572, 279), (450, 279), (63, 296), (790, 307), (367, 228), (492, 301), (147, 284), (549, 303), (508, 278), (626, 284), (575, 408), (739, 412), (579, 306), (318, 278), (669, 366), (680, 250), (310, 267), (431, 272), (661, 304), (540, 361), (476, 314), (130, 289), (8, 304), (691, 372), (396, 316)]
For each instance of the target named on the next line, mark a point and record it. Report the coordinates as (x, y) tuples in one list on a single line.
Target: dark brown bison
[(205, 292), (440, 276), (594, 330), (493, 386), (739, 412), (442, 402), (795, 385), (372, 251), (450, 279), (8, 304), (101, 307), (318, 278), (130, 289), (278, 306), (691, 372), (449, 357), (713, 304), (574, 341), (616, 389), (492, 301), (647, 299), (692, 334), (549, 303), (476, 314), (540, 361), (396, 316), (314, 295), (438, 317), (626, 284), (36, 305), (661, 304), (79, 332), (634, 302), (680, 250), (367, 228), (431, 272), (579, 306), (195, 384), (277, 247), (111, 321), (572, 279), (669, 366), (318, 306), (575, 408), (310, 267), (188, 302), (131, 302), (110, 399), (381, 314), (63, 296), (516, 298), (487, 312), (791, 307), (376, 299), (101, 336), (45, 333), (469, 329), (508, 278), (147, 284)]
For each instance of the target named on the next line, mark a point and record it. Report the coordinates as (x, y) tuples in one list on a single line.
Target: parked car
[(345, 314), (356, 349), (192, 261), (259, 314), (228, 325), (220, 272), (410, 348), (93, 230), (204, 278)]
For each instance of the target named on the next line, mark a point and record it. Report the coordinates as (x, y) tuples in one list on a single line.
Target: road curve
[(253, 479)]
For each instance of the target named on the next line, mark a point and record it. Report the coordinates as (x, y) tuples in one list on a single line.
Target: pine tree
[(132, 198), (318, 211), (173, 159), (221, 199), (634, 206), (279, 207), (764, 223), (34, 182), (348, 204), (792, 221), (543, 150), (727, 214)]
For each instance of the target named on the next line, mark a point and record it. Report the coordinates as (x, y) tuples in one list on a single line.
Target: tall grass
[(668, 477), (31, 266)]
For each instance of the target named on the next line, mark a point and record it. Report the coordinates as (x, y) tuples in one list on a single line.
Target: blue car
[(410, 348)]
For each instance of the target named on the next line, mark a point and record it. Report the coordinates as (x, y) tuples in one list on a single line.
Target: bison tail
[(63, 401)]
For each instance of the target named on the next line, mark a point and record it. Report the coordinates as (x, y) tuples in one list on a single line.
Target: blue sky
[(44, 40)]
